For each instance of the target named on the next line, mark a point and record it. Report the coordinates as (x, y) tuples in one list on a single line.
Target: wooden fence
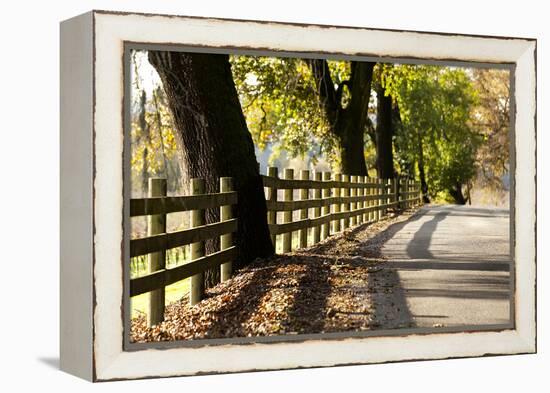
[(330, 203), (156, 207), (326, 204)]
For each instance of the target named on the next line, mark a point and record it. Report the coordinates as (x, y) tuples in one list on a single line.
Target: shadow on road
[(390, 303), (419, 246)]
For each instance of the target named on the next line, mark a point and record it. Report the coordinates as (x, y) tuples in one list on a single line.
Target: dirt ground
[(340, 284)]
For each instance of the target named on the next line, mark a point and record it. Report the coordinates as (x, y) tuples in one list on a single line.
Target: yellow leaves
[(154, 147)]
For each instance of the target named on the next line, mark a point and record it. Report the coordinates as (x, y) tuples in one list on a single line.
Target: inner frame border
[(129, 46)]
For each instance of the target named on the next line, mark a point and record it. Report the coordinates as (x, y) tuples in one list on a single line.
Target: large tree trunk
[(421, 172), (458, 196), (384, 135), (215, 142), (347, 124), (352, 151)]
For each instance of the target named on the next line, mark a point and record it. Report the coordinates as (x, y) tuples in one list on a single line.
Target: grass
[(173, 293)]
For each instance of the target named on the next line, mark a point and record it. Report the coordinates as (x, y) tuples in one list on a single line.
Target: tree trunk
[(347, 124), (351, 146), (215, 142), (458, 196), (421, 172), (384, 135)]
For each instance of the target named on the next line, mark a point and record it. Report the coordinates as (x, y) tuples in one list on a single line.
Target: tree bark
[(384, 135), (458, 196), (421, 172), (347, 124), (215, 142)]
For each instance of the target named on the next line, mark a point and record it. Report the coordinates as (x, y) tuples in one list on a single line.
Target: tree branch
[(325, 89)]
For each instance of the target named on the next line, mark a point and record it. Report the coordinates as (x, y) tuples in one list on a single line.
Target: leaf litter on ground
[(340, 284)]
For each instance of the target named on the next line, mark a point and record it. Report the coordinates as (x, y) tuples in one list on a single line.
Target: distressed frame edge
[(76, 207), (525, 239), (528, 340)]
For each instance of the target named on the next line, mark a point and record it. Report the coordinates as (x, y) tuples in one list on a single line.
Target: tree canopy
[(307, 106), (436, 106), (449, 125)]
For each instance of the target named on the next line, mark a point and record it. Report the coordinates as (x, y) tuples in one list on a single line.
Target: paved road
[(453, 265)]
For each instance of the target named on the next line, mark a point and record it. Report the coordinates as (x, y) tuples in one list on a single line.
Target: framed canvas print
[(245, 195)]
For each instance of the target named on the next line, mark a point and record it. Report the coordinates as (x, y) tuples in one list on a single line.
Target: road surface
[(453, 264)]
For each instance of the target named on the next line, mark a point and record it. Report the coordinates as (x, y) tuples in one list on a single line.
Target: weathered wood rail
[(325, 205), (329, 204), (156, 207)]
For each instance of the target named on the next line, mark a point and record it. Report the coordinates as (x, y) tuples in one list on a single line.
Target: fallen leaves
[(340, 284)]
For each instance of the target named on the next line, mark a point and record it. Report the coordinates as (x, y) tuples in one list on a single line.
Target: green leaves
[(436, 105), (280, 103)]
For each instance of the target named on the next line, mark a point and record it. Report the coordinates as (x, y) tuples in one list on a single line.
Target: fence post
[(156, 224), (375, 191), (272, 196), (384, 200), (374, 195), (378, 199), (353, 205), (398, 192), (197, 249), (360, 193), (336, 192), (413, 203), (389, 188), (325, 228), (304, 195), (407, 190), (405, 195), (368, 191), (345, 205), (411, 191), (287, 214), (226, 241), (366, 204), (317, 210)]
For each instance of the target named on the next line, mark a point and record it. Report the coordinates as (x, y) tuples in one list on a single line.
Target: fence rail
[(326, 204), (156, 207), (338, 202)]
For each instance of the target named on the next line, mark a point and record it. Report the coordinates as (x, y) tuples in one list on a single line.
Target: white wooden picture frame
[(92, 194)]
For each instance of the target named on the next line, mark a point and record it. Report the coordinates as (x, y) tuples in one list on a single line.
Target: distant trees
[(154, 151), (491, 117), (436, 106)]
